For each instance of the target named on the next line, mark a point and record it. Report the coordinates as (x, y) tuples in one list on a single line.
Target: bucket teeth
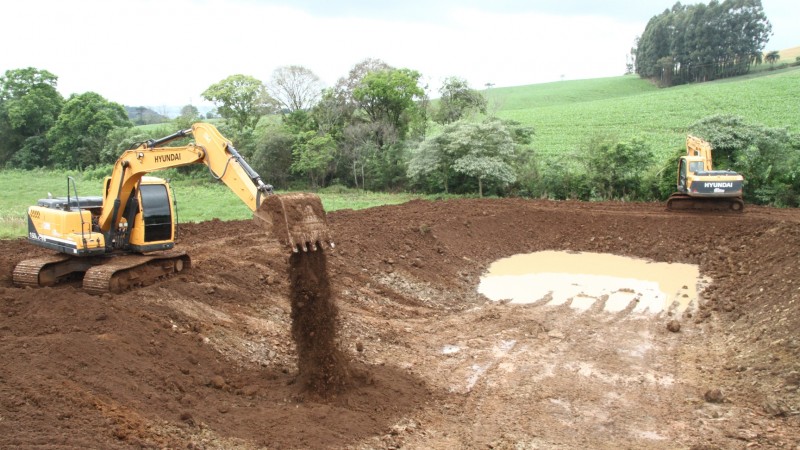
[(309, 246), (297, 220)]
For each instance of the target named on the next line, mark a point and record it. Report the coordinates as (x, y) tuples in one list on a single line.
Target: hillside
[(565, 114), (790, 54), (142, 115)]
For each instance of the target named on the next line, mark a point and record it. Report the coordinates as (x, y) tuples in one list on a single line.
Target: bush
[(97, 172)]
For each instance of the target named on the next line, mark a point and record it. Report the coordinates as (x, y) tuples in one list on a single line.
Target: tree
[(33, 154), (295, 87), (768, 158), (359, 148), (772, 57), (390, 96), (701, 42), (616, 170), (272, 155), (345, 86), (29, 106), (337, 106), (312, 154), (241, 99), (189, 114), (80, 135), (433, 160), (457, 100), (485, 152)]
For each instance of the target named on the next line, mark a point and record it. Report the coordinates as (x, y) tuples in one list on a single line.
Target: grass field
[(566, 114), (20, 189)]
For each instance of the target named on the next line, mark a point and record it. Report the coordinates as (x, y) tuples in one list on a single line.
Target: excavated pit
[(207, 359)]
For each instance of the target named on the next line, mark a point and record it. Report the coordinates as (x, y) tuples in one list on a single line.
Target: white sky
[(160, 53)]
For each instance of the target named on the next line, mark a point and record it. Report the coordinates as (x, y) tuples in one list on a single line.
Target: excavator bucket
[(297, 220)]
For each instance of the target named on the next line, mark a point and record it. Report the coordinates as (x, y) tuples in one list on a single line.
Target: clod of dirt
[(714, 396), (775, 407), (217, 382), (322, 367), (187, 417), (674, 326)]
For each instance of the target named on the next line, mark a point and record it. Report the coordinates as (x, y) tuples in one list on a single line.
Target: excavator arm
[(298, 220)]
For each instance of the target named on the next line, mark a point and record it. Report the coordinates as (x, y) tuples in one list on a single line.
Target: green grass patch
[(197, 201), (22, 188), (354, 199)]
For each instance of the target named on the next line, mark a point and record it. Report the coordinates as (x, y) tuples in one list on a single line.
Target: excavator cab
[(147, 221)]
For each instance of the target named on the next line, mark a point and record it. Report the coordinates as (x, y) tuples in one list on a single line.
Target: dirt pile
[(207, 360)]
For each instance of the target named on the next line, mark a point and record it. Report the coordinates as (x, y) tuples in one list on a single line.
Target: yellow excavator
[(126, 237), (700, 186)]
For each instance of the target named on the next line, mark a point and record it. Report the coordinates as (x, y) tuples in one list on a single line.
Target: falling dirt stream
[(323, 368)]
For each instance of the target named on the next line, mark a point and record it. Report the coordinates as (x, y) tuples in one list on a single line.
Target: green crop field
[(566, 114)]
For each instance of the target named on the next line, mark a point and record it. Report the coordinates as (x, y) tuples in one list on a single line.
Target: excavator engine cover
[(297, 220)]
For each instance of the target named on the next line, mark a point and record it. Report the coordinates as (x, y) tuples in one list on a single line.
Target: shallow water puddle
[(584, 279)]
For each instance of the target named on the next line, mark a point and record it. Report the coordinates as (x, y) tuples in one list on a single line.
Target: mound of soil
[(221, 356)]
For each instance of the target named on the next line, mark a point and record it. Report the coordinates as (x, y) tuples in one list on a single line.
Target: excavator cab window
[(157, 213), (696, 166), (682, 174)]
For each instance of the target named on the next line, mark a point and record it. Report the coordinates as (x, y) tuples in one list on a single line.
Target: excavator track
[(683, 202), (48, 270), (129, 271)]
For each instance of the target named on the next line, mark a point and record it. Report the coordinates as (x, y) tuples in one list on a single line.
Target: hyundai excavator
[(700, 186), (126, 237)]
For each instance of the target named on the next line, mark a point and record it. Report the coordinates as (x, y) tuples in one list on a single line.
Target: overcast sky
[(160, 53)]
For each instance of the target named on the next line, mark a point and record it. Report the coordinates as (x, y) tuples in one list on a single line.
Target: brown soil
[(206, 359)]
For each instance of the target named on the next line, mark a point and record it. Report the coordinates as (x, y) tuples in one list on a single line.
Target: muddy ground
[(206, 359)]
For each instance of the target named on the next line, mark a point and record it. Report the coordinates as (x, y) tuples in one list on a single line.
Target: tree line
[(691, 43), (362, 132), (376, 129)]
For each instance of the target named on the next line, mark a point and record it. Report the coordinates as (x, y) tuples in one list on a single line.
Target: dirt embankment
[(207, 359)]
